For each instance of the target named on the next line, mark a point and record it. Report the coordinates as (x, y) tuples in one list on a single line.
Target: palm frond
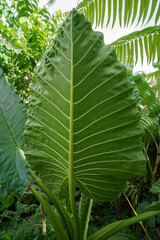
[(127, 11), (146, 93), (154, 107), (135, 44), (150, 107), (150, 126), (153, 78)]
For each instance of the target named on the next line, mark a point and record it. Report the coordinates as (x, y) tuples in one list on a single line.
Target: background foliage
[(26, 31)]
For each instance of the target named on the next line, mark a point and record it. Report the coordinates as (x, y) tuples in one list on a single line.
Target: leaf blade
[(96, 132), (112, 228), (14, 173)]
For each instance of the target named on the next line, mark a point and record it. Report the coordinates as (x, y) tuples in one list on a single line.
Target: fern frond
[(126, 11), (146, 40)]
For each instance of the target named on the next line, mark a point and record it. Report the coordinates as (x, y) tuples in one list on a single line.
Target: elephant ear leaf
[(82, 121), (14, 174)]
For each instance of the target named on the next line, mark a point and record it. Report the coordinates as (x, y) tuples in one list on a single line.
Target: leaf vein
[(52, 87), (103, 153), (104, 117), (57, 69), (97, 87)]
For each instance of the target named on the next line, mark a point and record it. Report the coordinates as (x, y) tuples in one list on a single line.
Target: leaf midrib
[(9, 128), (71, 122)]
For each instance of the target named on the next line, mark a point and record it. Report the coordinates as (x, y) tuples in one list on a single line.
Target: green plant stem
[(84, 214), (87, 219), (151, 170), (5, 217), (150, 167), (58, 205), (135, 213), (60, 232)]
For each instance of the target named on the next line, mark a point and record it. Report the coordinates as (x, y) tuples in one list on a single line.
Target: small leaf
[(134, 11), (100, 9), (124, 53), (120, 12), (146, 46), (141, 49), (154, 45), (142, 4), (136, 50), (132, 52), (109, 12), (142, 207), (154, 206), (150, 47), (103, 12), (8, 201), (156, 187), (91, 9), (128, 53), (153, 7), (120, 52), (130, 8), (96, 9), (157, 15), (126, 6), (114, 12), (145, 10), (51, 2)]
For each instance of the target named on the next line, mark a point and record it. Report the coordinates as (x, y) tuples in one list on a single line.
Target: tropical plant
[(82, 130), (153, 78), (149, 101), (138, 45), (99, 12)]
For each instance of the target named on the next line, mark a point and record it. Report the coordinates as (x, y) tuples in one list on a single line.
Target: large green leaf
[(13, 170), (82, 119)]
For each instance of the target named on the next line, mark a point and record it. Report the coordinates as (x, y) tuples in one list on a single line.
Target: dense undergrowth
[(22, 220)]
